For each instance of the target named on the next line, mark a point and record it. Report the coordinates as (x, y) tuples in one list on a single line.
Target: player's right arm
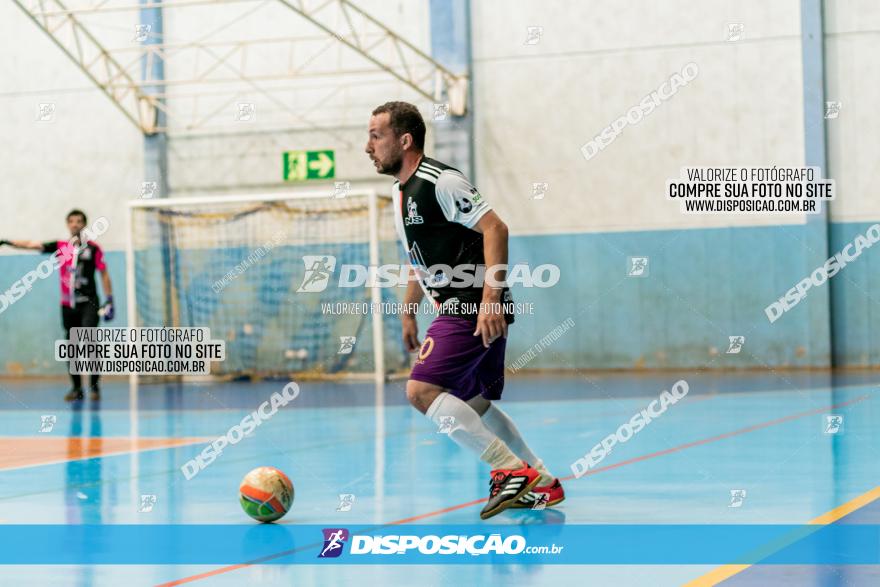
[(32, 245), (411, 300)]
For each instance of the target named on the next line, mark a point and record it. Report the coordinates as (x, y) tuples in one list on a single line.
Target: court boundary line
[(738, 432)]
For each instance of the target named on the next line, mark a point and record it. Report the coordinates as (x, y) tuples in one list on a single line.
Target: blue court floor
[(767, 438)]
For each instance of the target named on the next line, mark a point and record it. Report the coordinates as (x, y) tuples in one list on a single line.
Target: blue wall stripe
[(703, 285)]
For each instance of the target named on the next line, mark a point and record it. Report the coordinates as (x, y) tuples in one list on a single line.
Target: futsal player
[(79, 296), (442, 219)]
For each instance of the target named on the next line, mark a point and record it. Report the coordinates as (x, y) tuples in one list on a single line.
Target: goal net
[(258, 271)]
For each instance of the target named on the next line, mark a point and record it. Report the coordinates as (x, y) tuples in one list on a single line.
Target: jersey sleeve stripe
[(429, 171), (430, 178), (432, 167)]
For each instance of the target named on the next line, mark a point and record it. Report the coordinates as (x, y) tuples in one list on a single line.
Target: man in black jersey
[(79, 296), (446, 226)]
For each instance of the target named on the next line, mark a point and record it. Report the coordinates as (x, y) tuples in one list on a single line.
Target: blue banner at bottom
[(568, 544)]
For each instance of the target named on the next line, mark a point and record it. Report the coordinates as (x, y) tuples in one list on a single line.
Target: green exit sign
[(304, 165)]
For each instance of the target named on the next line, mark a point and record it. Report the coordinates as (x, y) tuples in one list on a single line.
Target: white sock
[(499, 456), (468, 431), (500, 423)]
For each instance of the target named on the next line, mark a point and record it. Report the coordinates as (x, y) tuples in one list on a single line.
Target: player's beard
[(393, 166)]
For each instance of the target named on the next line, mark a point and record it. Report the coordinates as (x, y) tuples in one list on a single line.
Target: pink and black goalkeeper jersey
[(77, 281)]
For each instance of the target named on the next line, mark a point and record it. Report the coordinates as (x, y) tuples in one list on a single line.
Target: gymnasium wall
[(709, 277), (851, 42), (88, 156), (210, 159)]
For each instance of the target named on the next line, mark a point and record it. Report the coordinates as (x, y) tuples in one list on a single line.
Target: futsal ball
[(266, 494)]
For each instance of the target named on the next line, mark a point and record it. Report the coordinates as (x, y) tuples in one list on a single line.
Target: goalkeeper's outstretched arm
[(32, 245)]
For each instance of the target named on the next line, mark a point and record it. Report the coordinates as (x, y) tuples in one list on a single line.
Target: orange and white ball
[(266, 494)]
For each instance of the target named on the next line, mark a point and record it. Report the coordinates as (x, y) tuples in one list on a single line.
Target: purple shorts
[(453, 358)]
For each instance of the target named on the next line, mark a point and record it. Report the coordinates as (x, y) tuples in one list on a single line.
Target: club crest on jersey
[(412, 213), (439, 279)]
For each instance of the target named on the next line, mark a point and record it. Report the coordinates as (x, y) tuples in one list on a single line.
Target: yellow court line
[(724, 572), (847, 508)]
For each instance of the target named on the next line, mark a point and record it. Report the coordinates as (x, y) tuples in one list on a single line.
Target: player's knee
[(414, 391), (421, 394)]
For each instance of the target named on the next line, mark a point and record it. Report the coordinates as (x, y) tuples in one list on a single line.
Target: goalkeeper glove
[(106, 310)]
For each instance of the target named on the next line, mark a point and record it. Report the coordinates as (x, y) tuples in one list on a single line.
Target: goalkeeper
[(80, 306)]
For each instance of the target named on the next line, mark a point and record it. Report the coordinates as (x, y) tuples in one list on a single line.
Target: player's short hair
[(77, 212), (405, 118)]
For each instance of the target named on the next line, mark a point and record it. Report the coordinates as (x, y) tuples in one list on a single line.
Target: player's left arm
[(490, 321), (462, 203), (107, 310)]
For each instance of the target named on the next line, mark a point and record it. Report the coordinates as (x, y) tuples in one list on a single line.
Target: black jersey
[(435, 212)]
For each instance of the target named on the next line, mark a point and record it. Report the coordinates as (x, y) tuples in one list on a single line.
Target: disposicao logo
[(334, 540)]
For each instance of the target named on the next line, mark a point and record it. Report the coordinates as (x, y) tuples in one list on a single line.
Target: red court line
[(648, 456), (720, 437)]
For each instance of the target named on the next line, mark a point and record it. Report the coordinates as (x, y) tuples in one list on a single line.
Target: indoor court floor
[(763, 438)]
